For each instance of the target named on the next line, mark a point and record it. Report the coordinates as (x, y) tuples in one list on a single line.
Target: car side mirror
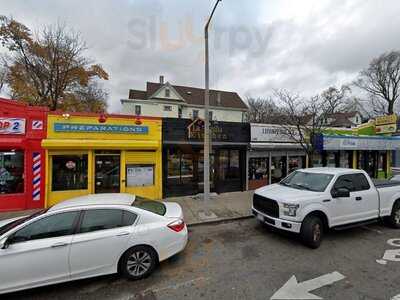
[(4, 243), (340, 193)]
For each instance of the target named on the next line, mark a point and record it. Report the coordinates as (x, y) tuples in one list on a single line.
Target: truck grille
[(265, 205)]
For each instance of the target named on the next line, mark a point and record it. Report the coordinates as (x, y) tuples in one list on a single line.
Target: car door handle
[(58, 245), (123, 233), (358, 198)]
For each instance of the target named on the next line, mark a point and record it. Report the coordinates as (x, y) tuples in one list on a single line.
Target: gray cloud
[(304, 46)]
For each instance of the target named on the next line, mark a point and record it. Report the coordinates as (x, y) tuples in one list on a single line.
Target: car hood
[(173, 210), (286, 194)]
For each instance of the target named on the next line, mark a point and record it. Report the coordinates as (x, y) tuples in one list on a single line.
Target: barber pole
[(36, 176)]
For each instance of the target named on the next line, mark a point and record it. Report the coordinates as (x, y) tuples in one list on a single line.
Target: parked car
[(89, 236), (311, 201)]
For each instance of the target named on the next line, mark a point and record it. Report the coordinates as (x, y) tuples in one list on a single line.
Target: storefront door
[(107, 173)]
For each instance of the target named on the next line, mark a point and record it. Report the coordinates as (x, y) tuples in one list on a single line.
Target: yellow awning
[(82, 144)]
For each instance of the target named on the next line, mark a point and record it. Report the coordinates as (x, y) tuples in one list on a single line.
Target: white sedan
[(89, 236)]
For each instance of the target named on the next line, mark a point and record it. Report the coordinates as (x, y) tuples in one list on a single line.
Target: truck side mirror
[(340, 193)]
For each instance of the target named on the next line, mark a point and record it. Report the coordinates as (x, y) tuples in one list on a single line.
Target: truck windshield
[(316, 182)]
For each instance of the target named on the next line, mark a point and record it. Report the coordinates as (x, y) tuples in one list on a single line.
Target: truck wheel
[(394, 218), (312, 231)]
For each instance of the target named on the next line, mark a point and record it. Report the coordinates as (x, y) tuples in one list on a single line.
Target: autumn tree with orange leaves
[(49, 68)]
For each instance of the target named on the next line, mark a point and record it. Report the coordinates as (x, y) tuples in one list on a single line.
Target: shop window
[(229, 164), (331, 159), (180, 167), (139, 175), (278, 168), (70, 172), (317, 160), (345, 159), (11, 172), (295, 162), (258, 172)]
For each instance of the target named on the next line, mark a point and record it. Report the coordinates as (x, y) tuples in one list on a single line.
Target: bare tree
[(261, 110), (304, 119), (334, 98), (382, 79)]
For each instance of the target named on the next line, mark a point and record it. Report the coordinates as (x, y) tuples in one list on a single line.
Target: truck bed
[(382, 183)]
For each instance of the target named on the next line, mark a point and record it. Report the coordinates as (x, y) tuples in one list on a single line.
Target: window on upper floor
[(195, 113), (138, 110), (167, 108), (210, 115), (167, 93), (180, 112)]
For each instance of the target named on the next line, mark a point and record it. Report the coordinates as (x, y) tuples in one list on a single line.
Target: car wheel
[(394, 218), (312, 231), (138, 262)]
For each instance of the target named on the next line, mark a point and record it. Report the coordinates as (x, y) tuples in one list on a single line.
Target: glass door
[(107, 172)]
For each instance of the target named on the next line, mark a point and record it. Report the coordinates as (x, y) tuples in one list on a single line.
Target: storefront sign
[(389, 128), (12, 126), (360, 143), (383, 120), (386, 124), (103, 128), (196, 131), (139, 175), (273, 134)]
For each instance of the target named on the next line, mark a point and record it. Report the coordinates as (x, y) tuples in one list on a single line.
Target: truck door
[(362, 203)]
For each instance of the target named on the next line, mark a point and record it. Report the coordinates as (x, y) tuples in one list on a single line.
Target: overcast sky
[(255, 46)]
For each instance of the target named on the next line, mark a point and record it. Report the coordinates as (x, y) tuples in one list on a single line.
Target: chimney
[(218, 98), (161, 79)]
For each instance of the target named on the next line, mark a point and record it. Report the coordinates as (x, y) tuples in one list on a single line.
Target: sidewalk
[(220, 207)]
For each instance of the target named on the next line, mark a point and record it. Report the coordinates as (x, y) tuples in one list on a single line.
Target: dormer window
[(167, 93)]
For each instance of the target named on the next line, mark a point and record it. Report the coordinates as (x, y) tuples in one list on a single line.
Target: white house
[(173, 101)]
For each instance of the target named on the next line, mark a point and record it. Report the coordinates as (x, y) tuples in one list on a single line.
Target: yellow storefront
[(89, 154)]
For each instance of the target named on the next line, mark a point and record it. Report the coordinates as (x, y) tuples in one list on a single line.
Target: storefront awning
[(275, 146), (82, 144)]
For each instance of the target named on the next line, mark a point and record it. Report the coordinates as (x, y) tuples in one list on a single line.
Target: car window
[(156, 207), (345, 181), (53, 226), (102, 219), (360, 182)]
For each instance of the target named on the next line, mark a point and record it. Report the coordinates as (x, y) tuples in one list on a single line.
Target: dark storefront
[(183, 169), (369, 153)]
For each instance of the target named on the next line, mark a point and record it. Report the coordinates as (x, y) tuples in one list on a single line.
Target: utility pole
[(206, 112)]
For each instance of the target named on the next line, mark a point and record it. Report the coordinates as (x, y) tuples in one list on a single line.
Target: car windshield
[(150, 205), (316, 182), (13, 224)]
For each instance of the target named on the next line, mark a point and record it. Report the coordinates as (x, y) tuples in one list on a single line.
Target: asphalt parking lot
[(246, 260)]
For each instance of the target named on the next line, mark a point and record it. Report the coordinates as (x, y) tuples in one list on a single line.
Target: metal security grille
[(265, 205)]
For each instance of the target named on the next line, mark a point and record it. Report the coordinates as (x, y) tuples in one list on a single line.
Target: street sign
[(295, 290)]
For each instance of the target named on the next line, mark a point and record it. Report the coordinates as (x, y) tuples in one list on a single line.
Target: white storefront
[(272, 155)]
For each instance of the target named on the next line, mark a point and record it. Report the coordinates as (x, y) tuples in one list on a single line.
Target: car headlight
[(290, 209)]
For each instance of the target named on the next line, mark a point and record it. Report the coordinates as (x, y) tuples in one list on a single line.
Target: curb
[(220, 221)]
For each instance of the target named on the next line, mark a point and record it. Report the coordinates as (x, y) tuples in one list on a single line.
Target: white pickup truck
[(311, 201)]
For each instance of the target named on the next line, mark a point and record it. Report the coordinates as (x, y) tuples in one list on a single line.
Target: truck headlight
[(290, 209)]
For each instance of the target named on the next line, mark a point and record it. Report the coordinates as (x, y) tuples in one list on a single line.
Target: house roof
[(193, 96)]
